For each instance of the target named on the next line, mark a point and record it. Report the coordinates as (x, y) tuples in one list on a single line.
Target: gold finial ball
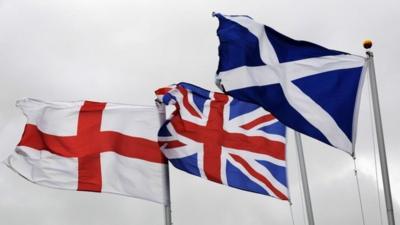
[(367, 44)]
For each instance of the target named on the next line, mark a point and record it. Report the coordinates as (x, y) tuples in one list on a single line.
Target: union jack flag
[(219, 138)]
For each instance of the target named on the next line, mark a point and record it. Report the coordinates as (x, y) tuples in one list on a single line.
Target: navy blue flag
[(216, 137), (309, 88)]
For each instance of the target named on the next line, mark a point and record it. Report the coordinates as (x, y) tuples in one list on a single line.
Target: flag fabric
[(309, 88), (92, 146), (219, 138)]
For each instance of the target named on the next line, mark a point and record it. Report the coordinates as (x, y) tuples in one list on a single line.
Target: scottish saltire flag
[(216, 137), (92, 146), (309, 88)]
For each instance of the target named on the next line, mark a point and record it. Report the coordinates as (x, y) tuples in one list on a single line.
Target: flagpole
[(303, 172), (379, 133), (167, 206)]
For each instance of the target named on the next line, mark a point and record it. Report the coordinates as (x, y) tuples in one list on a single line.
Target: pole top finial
[(367, 44)]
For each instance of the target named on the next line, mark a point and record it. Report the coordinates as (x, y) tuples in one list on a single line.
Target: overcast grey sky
[(122, 50)]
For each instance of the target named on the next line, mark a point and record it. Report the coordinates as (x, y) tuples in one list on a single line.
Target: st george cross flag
[(309, 88), (216, 137), (92, 146)]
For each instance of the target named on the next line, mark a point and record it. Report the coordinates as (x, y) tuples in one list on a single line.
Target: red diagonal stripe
[(163, 91), (255, 144), (186, 103), (258, 121), (188, 129), (259, 176)]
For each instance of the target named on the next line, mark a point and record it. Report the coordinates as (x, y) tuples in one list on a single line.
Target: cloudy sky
[(121, 50)]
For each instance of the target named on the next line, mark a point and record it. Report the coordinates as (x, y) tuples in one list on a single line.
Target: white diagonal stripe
[(266, 49), (301, 102), (316, 116), (257, 133), (284, 74), (233, 125), (246, 76), (255, 156), (247, 117), (251, 177), (264, 171), (186, 115), (183, 151)]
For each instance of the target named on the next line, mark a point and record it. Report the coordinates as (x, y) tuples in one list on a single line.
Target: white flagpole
[(379, 133), (303, 171), (167, 207)]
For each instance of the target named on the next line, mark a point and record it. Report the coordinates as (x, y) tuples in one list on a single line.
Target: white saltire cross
[(284, 73)]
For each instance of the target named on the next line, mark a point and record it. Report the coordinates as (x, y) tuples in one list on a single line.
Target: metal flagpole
[(379, 134), (167, 206), (303, 171)]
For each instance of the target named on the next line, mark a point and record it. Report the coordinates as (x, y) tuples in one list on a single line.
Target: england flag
[(92, 146), (216, 137), (309, 88)]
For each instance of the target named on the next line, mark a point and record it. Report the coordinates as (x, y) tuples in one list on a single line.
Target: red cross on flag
[(222, 139), (92, 146)]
